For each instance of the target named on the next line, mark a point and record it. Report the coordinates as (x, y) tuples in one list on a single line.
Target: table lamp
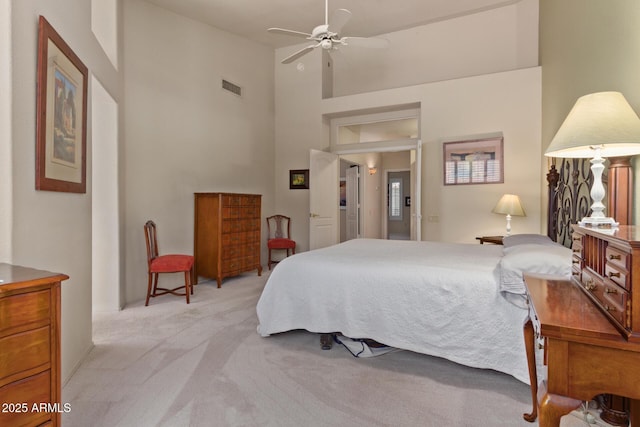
[(508, 205), (599, 125)]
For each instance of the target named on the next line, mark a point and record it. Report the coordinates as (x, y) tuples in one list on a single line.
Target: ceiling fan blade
[(299, 53), (289, 32), (371, 42), (339, 18)]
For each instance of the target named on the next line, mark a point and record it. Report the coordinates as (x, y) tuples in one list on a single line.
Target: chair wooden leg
[(155, 284), (148, 290), (269, 263), (187, 284), (193, 279)]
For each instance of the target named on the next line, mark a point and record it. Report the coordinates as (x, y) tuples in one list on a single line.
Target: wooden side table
[(496, 240)]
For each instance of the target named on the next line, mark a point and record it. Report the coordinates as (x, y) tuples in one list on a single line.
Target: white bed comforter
[(434, 298)]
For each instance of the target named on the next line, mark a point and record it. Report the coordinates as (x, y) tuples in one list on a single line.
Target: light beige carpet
[(204, 364)]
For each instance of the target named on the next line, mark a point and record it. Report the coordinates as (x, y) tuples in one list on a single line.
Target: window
[(395, 199)]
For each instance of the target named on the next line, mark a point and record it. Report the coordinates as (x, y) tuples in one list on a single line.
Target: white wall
[(6, 165), (184, 133), (52, 230), (502, 98), (499, 39)]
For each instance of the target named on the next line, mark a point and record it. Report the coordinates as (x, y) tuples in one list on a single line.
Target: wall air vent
[(233, 88)]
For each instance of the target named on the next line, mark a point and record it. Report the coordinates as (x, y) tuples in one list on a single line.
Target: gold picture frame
[(61, 121)]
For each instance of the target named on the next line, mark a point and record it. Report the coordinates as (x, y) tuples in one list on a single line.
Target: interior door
[(353, 203), (324, 199)]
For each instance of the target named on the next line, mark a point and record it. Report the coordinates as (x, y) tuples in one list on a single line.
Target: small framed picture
[(478, 161), (299, 179)]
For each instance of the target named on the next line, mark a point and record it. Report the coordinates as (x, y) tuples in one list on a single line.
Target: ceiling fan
[(327, 35)]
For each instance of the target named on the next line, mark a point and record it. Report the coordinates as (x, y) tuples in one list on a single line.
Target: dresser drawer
[(32, 390), (231, 265), (617, 258), (231, 200), (613, 300), (232, 251), (231, 212), (610, 297), (591, 281), (250, 212), (24, 351), (617, 275), (24, 311), (248, 200), (232, 225)]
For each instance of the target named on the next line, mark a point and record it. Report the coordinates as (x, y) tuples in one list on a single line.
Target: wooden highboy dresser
[(227, 234), (30, 387)]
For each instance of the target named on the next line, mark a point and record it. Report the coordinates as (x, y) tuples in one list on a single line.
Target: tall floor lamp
[(599, 125)]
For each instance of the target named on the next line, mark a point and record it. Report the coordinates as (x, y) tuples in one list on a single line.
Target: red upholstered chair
[(173, 263), (279, 228)]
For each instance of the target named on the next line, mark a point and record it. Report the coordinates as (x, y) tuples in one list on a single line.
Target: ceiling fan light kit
[(327, 35)]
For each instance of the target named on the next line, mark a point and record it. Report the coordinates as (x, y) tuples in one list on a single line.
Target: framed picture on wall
[(478, 161), (298, 179), (61, 115)]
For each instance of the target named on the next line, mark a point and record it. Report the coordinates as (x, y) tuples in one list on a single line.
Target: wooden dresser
[(227, 234), (30, 387), (606, 263)]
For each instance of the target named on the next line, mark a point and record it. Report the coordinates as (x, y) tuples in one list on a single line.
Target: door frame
[(416, 196)]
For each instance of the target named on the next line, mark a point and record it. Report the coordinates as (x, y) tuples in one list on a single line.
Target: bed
[(462, 302)]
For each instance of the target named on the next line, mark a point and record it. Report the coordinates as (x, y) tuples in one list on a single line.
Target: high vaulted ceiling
[(251, 18)]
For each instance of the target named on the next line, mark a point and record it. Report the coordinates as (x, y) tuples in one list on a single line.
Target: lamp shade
[(509, 204), (603, 119)]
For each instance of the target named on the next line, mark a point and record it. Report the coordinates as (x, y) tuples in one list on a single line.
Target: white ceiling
[(251, 18)]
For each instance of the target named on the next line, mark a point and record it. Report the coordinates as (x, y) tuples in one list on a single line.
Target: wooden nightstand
[(496, 240)]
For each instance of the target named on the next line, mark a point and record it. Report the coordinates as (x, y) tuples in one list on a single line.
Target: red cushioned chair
[(279, 228), (173, 263)]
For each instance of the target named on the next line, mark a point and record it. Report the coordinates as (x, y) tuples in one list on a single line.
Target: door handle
[(313, 215)]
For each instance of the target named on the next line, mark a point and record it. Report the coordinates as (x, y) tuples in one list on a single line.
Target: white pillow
[(552, 260), (524, 239)]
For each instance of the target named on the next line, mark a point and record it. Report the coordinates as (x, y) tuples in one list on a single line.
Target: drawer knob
[(540, 346), (609, 308), (590, 286), (614, 274), (614, 256), (610, 291)]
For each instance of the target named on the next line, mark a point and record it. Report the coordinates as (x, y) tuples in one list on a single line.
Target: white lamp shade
[(603, 119), (509, 204)]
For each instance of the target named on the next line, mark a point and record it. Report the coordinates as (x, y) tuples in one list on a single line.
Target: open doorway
[(373, 201), (398, 204)]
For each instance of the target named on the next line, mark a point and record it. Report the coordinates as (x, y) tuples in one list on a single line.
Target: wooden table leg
[(530, 343), (553, 407), (634, 412)]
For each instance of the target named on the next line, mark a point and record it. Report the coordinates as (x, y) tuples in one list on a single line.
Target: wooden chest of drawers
[(227, 234), (606, 264), (29, 346)]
